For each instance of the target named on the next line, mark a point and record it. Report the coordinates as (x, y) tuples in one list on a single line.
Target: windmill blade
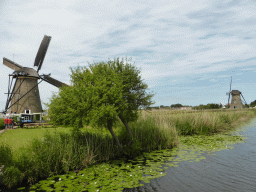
[(42, 52), (228, 99), (10, 94), (244, 99), (229, 91), (53, 81), (11, 64), (230, 84)]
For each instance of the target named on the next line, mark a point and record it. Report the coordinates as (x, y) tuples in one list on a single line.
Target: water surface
[(226, 170)]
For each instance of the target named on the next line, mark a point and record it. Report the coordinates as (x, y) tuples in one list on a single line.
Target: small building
[(185, 108), (27, 116)]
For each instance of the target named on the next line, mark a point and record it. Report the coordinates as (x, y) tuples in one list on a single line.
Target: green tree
[(176, 105), (253, 104), (212, 106), (99, 95)]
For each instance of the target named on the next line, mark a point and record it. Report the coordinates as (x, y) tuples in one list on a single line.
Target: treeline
[(208, 106), (178, 106), (174, 106), (199, 107)]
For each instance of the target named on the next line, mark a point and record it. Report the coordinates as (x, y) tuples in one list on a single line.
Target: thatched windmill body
[(236, 101), (23, 96)]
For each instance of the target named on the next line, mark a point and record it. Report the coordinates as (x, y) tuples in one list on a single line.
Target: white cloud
[(178, 42)]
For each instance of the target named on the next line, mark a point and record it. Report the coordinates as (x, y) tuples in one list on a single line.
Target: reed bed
[(198, 122)]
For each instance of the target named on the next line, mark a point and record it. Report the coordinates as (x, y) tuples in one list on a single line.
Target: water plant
[(115, 175)]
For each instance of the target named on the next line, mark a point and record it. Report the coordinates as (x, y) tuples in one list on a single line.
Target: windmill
[(236, 102), (222, 105), (23, 95)]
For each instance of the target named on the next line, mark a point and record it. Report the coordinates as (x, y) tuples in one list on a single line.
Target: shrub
[(15, 118), (12, 176), (37, 117), (1, 123), (6, 155)]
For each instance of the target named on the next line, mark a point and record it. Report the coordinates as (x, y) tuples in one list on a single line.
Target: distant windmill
[(24, 94), (236, 102), (222, 105)]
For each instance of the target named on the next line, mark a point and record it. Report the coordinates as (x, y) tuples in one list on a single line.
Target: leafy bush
[(1, 123), (5, 155), (15, 118), (12, 176), (37, 117)]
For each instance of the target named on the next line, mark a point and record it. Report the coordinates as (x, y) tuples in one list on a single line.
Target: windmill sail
[(52, 81), (24, 94), (244, 99), (11, 64), (42, 52), (229, 91)]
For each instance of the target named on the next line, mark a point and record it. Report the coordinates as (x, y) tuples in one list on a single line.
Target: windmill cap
[(235, 92), (30, 71)]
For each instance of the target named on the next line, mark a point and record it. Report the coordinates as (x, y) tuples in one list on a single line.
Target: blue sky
[(187, 50)]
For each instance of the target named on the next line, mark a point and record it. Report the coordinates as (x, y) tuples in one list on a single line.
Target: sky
[(186, 50)]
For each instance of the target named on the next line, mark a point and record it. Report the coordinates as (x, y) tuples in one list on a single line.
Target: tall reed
[(148, 135), (199, 122)]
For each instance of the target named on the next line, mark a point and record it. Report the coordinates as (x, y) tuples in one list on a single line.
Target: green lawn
[(21, 137), (18, 138)]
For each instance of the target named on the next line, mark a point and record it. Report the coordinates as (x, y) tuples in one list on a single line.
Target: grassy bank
[(200, 122), (62, 150)]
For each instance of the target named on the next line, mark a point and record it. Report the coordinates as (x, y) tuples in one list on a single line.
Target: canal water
[(226, 170)]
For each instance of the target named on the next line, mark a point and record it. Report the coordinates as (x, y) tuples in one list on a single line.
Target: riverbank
[(150, 133)]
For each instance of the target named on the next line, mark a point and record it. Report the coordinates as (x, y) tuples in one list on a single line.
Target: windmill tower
[(24, 95), (236, 102)]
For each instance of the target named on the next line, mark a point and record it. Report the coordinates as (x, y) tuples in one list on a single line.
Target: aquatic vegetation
[(115, 175)]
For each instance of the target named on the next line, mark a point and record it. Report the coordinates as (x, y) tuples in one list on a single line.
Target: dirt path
[(1, 131)]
